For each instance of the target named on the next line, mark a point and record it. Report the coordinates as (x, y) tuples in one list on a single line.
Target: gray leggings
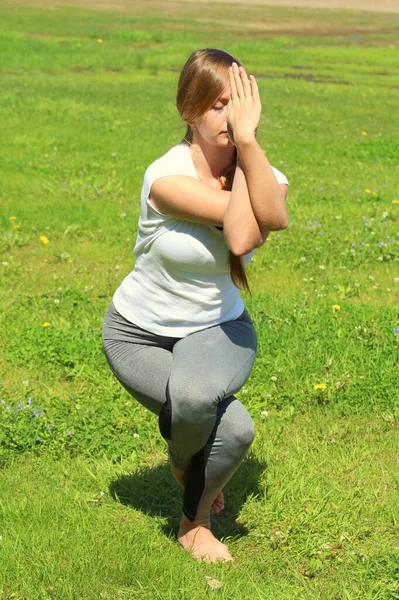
[(189, 383)]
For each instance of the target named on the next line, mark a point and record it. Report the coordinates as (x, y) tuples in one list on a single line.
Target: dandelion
[(100, 40), (320, 386), (336, 307), (13, 218), (44, 239), (16, 226), (364, 133), (395, 201), (46, 324), (70, 261)]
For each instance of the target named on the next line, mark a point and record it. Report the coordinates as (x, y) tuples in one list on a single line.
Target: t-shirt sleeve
[(281, 178), (162, 168)]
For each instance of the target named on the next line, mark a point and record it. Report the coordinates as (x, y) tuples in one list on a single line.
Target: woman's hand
[(244, 107)]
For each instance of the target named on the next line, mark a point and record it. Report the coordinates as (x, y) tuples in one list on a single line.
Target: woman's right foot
[(201, 543), (218, 503)]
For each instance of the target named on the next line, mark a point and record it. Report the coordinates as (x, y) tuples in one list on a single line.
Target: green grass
[(88, 508)]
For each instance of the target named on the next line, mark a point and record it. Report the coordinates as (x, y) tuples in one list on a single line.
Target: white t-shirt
[(180, 283)]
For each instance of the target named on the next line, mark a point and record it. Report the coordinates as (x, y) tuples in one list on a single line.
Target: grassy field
[(88, 508)]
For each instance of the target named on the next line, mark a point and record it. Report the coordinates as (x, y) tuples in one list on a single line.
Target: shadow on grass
[(154, 492)]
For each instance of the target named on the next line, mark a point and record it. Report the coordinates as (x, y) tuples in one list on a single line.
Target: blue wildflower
[(396, 331)]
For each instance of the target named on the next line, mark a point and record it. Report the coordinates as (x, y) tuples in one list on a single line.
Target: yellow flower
[(70, 261), (364, 133), (320, 386), (16, 226), (100, 40), (368, 191), (45, 155), (46, 324), (395, 201), (336, 307), (13, 218), (44, 240)]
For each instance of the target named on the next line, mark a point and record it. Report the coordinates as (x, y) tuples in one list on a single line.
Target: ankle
[(187, 525)]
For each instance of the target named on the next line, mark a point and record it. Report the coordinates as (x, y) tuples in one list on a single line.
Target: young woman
[(176, 334)]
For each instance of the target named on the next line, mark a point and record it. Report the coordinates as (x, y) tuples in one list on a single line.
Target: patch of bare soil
[(132, 6), (372, 5)]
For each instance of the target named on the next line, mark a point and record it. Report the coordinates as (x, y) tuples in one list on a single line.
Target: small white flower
[(123, 214), (322, 267), (356, 284), (380, 258), (371, 278), (396, 280), (117, 267), (4, 263), (389, 290), (302, 259), (136, 435), (56, 300), (273, 378), (264, 414), (25, 382)]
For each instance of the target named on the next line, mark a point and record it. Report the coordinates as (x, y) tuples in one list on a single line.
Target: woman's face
[(212, 125)]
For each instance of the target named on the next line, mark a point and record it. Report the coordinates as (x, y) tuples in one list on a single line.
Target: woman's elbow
[(277, 225), (244, 246)]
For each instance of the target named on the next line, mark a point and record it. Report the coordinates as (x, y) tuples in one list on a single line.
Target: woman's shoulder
[(281, 178), (176, 161), (175, 153)]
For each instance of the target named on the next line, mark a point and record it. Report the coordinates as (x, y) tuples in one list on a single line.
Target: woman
[(177, 335)]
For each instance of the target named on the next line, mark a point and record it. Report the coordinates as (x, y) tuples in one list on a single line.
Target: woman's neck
[(210, 161)]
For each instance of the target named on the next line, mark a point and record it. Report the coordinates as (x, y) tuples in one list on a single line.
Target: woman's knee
[(244, 433), (192, 402)]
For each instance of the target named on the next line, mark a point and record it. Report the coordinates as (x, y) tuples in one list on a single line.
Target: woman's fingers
[(238, 81), (254, 88), (245, 82), (233, 87)]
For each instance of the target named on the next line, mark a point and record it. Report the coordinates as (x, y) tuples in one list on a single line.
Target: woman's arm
[(187, 198), (257, 187)]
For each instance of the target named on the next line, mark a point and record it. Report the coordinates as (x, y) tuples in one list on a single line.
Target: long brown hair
[(202, 81)]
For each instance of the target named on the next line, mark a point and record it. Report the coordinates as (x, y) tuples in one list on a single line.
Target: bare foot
[(201, 543), (218, 503)]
